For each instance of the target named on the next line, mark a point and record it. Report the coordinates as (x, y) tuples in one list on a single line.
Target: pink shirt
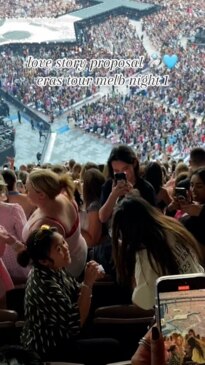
[(13, 219), (5, 279)]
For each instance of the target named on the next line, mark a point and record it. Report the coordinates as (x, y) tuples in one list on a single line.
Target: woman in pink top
[(6, 282), (13, 219)]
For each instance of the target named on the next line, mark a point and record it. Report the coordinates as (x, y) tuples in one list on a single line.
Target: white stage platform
[(37, 30)]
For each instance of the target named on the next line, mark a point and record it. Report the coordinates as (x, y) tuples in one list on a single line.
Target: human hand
[(151, 349), (3, 230), (93, 272), (174, 205), (8, 239), (192, 209), (121, 188), (78, 185), (5, 237)]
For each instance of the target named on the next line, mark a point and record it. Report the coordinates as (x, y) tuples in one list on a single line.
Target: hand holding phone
[(151, 349)]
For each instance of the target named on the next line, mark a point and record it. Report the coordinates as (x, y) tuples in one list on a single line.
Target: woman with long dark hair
[(154, 175), (194, 218), (123, 159), (146, 245)]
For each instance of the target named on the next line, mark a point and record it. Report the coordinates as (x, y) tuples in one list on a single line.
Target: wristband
[(86, 286), (83, 285)]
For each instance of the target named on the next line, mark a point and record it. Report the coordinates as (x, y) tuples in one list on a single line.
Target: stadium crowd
[(20, 81), (186, 81), (97, 226), (171, 31), (39, 8), (138, 217), (152, 129)]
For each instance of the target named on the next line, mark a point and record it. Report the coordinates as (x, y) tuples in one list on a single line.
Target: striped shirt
[(51, 311)]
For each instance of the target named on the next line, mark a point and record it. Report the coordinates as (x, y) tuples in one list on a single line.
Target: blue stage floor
[(69, 143)]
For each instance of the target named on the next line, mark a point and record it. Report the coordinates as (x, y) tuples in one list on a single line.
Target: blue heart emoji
[(170, 61)]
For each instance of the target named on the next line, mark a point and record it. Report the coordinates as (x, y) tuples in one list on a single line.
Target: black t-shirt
[(195, 225), (145, 188)]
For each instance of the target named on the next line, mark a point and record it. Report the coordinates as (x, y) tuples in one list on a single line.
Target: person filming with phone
[(194, 211), (123, 172)]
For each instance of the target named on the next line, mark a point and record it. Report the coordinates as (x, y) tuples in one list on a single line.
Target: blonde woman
[(53, 196)]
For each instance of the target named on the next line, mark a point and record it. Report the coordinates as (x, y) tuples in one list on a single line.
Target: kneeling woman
[(56, 306), (146, 245)]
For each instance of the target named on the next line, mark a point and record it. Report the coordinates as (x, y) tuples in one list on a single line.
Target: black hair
[(92, 186), (200, 173), (125, 154), (197, 156), (38, 246), (172, 348), (10, 178), (136, 225), (185, 183), (153, 174), (193, 343), (78, 198)]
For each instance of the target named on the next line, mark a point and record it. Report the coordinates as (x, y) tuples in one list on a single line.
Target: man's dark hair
[(197, 156), (10, 178)]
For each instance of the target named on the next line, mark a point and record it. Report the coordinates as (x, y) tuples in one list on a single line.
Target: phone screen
[(181, 192), (181, 311), (120, 176), (181, 316)]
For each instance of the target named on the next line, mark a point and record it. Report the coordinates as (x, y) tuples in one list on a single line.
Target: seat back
[(126, 323), (9, 334), (61, 363), (15, 301)]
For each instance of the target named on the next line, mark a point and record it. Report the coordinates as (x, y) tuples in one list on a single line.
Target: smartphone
[(180, 305), (120, 176), (181, 193)]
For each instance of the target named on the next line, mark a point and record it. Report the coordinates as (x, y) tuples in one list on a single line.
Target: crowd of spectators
[(171, 31), (159, 123), (66, 303), (20, 81), (38, 8), (175, 129), (152, 129), (182, 101)]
